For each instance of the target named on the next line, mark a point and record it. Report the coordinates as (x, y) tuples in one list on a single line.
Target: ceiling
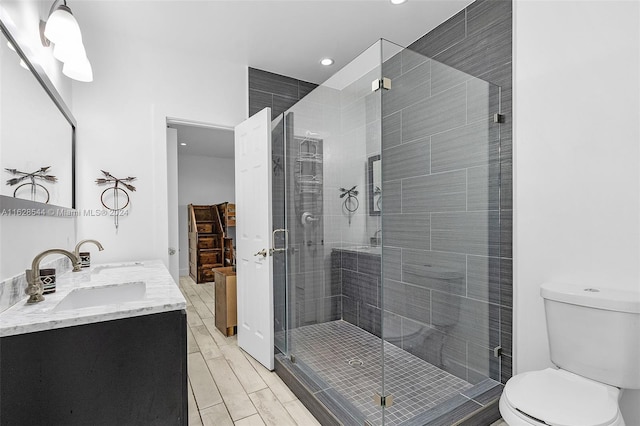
[(287, 37), (204, 141)]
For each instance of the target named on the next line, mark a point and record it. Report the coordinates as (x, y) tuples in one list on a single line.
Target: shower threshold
[(341, 375)]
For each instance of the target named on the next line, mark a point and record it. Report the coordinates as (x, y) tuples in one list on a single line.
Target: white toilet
[(594, 340)]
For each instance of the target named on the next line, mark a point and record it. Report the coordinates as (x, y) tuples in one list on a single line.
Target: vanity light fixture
[(326, 61), (63, 31), (398, 1), (183, 144), (23, 64)]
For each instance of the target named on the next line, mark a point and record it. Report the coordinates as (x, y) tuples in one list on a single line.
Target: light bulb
[(78, 70), (62, 27)]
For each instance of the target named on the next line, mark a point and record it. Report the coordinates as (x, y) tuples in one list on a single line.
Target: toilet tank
[(594, 332)]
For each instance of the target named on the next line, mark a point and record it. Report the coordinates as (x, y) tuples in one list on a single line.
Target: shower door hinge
[(383, 401), (381, 83), (498, 118), (497, 351), (292, 357)]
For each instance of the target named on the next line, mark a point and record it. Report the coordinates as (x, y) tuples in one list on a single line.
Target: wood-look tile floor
[(227, 386)]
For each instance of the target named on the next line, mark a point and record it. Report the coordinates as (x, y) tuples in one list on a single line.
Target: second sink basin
[(103, 295)]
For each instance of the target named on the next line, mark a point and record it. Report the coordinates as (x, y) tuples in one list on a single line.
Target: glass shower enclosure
[(386, 179)]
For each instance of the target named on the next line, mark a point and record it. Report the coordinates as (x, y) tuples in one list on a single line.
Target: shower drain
[(355, 362)]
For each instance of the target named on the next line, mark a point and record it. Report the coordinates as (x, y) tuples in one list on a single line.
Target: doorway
[(200, 172)]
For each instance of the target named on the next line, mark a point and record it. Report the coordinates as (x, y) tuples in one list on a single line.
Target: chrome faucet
[(77, 250), (34, 287)]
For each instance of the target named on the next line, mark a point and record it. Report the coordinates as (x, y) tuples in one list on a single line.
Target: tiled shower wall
[(441, 218), (478, 41), (275, 91)]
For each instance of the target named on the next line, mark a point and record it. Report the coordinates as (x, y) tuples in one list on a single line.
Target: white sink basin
[(119, 268), (111, 294)]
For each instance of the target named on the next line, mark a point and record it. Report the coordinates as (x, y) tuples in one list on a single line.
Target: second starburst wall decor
[(115, 198)]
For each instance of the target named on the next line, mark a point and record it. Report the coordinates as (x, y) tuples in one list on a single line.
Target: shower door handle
[(273, 248)]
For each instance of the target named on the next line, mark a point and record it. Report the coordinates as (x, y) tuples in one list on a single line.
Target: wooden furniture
[(227, 212), (226, 300), (206, 242)]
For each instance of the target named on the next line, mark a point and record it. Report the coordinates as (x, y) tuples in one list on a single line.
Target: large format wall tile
[(483, 187), (440, 271), (472, 145), (471, 232), (435, 193), (440, 112), (275, 91), (442, 37), (406, 231), (406, 160), (407, 89), (391, 130)]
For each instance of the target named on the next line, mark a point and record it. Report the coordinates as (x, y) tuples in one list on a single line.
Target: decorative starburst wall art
[(115, 199), (36, 191)]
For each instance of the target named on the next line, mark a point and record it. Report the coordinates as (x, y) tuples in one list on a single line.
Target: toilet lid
[(561, 398)]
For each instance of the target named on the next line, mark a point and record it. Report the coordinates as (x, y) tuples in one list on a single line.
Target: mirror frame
[(10, 30), (371, 160)]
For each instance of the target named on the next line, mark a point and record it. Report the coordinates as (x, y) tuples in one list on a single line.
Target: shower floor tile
[(416, 385)]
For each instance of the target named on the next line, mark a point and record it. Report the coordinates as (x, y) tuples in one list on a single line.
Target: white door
[(253, 234), (172, 200)]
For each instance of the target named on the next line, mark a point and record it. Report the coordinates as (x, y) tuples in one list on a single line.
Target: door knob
[(262, 253)]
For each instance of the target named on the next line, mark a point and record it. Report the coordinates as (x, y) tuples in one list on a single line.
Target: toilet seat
[(559, 398)]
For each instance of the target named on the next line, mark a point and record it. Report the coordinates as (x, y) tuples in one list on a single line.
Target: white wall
[(122, 129), (577, 159), (204, 181)]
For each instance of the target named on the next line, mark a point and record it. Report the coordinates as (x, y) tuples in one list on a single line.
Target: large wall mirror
[(37, 134)]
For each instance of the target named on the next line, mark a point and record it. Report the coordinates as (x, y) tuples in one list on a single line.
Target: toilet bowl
[(559, 398), (594, 341)]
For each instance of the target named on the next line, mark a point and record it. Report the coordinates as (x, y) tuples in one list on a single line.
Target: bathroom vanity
[(107, 348)]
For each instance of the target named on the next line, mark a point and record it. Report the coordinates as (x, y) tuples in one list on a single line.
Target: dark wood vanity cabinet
[(130, 371)]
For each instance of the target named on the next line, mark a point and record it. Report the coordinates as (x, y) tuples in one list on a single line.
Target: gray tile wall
[(275, 91), (359, 275), (447, 192)]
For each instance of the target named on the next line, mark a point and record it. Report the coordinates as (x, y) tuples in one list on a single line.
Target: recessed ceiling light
[(326, 61), (183, 144), (398, 1)]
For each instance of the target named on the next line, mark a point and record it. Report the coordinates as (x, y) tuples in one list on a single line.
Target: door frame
[(161, 116)]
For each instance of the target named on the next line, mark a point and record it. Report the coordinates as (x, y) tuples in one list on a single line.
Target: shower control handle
[(308, 218)]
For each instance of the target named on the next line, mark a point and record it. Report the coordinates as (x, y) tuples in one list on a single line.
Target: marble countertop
[(161, 294)]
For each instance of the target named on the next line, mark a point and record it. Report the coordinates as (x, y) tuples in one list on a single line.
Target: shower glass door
[(441, 235), (335, 316)]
